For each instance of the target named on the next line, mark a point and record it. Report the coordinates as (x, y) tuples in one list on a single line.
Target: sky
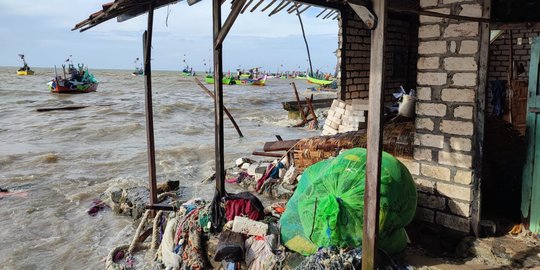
[(41, 29)]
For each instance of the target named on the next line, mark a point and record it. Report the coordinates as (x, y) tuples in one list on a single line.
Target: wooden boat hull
[(78, 89), (226, 80), (319, 81), (25, 72)]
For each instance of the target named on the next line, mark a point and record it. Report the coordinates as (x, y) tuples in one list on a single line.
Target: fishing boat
[(25, 69), (187, 71), (228, 80), (319, 81), (259, 81), (138, 68), (80, 81), (138, 72)]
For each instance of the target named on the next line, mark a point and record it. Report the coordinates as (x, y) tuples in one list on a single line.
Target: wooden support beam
[(218, 104), (151, 151), (374, 138), (329, 14), (264, 154), (268, 6), (256, 6), (236, 8), (203, 87), (318, 15), (301, 11), (246, 6), (277, 10)]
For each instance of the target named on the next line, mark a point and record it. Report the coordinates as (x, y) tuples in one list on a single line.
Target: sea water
[(62, 160)]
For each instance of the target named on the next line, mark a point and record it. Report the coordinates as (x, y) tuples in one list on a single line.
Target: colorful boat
[(80, 81), (209, 79), (25, 69), (259, 82), (319, 81)]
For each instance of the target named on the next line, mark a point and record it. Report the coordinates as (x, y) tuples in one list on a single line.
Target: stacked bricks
[(445, 124), (346, 116), (401, 55)]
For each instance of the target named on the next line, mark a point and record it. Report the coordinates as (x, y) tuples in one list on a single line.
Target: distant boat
[(25, 69), (227, 80), (319, 81), (186, 72), (138, 72), (138, 68), (259, 82), (80, 81)]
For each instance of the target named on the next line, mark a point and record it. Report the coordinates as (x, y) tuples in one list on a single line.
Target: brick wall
[(401, 54), (499, 56), (445, 126)]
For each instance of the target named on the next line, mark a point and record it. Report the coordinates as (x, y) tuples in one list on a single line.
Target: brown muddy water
[(65, 159)]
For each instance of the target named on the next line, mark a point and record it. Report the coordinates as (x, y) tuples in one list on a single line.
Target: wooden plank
[(279, 145), (374, 138), (264, 154), (268, 6), (151, 151), (256, 6), (218, 104), (480, 116), (236, 8), (224, 108), (246, 6)]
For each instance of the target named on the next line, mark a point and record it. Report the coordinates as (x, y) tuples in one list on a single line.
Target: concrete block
[(460, 64), (432, 78), (454, 191), (468, 47), (429, 31), (429, 140), (431, 201), (422, 154), (460, 144), (436, 172), (428, 63), (455, 159), (250, 227), (465, 112), (463, 177), (464, 79), (432, 47), (468, 29), (424, 123), (457, 127), (457, 95), (431, 109), (453, 222), (425, 214)]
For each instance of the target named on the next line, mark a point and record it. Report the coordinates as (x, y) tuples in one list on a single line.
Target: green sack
[(328, 205)]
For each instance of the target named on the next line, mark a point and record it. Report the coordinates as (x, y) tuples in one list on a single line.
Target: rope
[(138, 232), (155, 230)]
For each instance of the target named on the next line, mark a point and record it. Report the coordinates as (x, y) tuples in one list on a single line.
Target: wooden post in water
[(147, 51), (374, 139)]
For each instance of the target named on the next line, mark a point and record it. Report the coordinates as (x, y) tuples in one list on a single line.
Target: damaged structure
[(441, 48)]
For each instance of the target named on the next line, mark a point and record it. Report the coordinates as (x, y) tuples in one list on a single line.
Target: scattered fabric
[(243, 204)]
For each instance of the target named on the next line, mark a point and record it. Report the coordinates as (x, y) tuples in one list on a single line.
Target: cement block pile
[(346, 116)]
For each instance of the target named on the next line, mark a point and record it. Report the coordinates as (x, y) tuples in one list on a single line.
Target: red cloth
[(242, 207)]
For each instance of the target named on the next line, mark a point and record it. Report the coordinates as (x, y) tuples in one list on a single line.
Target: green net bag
[(328, 205)]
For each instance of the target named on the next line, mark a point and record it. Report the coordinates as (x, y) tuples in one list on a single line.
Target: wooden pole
[(224, 30), (218, 104), (374, 138), (300, 108), (305, 41), (147, 44), (224, 108)]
